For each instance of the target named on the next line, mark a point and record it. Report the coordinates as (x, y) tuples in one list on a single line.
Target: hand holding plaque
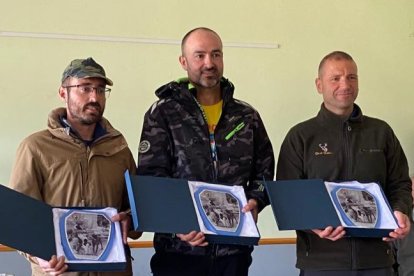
[(87, 238), (360, 208), (88, 235), (169, 205), (219, 209)]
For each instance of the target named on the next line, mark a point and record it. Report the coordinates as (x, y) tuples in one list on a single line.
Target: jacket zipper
[(213, 160), (213, 257), (82, 203), (353, 248), (348, 130), (84, 175), (214, 251)]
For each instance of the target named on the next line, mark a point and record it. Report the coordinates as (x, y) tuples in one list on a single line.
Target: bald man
[(198, 131)]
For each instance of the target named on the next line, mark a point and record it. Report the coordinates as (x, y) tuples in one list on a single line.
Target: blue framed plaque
[(170, 205), (86, 235), (356, 207), (303, 204), (360, 205), (44, 236), (220, 210), (88, 239)]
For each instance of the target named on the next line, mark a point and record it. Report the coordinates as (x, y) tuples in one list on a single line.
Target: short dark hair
[(187, 35), (335, 55)]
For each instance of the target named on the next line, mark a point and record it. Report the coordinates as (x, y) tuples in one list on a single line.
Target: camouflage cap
[(85, 68)]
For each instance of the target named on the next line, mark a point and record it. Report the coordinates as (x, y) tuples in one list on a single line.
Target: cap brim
[(107, 80)]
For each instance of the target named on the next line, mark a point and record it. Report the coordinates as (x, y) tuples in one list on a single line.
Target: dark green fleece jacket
[(334, 148)]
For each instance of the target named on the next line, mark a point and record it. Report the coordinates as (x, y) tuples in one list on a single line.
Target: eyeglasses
[(86, 89)]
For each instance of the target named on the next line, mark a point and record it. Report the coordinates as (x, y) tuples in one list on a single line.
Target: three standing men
[(198, 131)]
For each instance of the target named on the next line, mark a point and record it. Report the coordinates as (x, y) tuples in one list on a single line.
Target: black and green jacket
[(175, 143), (337, 149)]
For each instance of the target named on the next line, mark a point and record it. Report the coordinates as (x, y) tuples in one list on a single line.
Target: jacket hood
[(175, 88)]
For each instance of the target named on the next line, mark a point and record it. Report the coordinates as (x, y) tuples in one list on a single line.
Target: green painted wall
[(379, 34)]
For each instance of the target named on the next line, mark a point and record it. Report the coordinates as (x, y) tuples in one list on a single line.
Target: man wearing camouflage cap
[(79, 160)]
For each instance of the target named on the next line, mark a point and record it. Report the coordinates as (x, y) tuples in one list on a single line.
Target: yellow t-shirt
[(213, 113)]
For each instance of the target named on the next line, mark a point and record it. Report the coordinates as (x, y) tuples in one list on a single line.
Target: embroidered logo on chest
[(324, 149)]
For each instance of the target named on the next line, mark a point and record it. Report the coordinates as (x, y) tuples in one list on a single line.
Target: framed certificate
[(219, 209), (170, 205), (88, 235), (87, 238), (360, 205), (303, 204)]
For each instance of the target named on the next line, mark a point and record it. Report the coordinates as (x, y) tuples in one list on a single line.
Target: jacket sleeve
[(155, 149), (264, 165), (290, 163), (26, 176), (132, 168), (290, 160), (398, 185)]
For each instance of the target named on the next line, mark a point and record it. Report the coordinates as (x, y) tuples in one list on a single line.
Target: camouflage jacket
[(175, 143)]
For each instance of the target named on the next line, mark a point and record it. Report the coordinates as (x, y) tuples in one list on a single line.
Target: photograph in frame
[(88, 235), (361, 205), (219, 209)]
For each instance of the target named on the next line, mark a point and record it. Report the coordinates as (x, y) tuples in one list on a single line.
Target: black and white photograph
[(87, 234), (218, 208), (221, 209), (359, 206)]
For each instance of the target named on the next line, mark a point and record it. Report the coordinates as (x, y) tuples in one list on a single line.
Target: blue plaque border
[(207, 222), (66, 246), (344, 217)]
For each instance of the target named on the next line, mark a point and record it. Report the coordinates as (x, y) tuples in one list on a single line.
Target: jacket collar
[(326, 116), (184, 91), (57, 124), (98, 132)]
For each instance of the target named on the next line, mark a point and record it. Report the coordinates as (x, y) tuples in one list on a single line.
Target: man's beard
[(91, 119), (209, 81), (82, 114)]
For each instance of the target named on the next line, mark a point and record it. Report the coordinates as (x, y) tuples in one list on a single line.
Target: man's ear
[(183, 62), (318, 85), (63, 94)]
